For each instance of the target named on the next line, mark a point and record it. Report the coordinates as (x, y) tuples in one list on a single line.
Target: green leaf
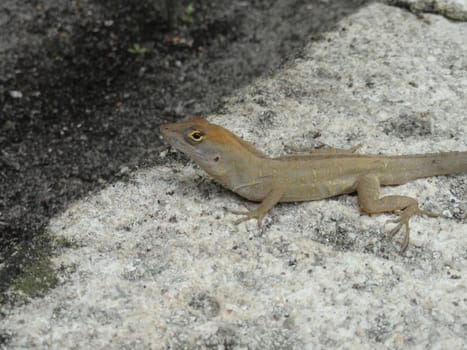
[(189, 9), (137, 49)]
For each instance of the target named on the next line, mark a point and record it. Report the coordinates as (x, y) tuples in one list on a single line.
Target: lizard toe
[(238, 212), (248, 215), (432, 214), (395, 230), (240, 220)]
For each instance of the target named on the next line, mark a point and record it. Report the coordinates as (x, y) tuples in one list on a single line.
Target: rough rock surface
[(156, 262), (453, 9)]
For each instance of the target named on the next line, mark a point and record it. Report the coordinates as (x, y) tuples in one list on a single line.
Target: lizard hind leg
[(405, 207)]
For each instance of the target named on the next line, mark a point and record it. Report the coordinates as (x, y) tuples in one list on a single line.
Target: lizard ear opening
[(216, 158), (196, 136)]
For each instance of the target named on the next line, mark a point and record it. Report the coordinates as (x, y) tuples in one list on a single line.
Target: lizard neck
[(235, 168)]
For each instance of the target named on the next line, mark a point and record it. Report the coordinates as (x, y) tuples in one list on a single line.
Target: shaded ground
[(78, 109)]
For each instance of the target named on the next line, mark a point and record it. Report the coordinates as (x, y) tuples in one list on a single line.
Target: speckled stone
[(156, 263)]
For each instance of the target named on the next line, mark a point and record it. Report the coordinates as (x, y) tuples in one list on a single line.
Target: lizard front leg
[(370, 203), (272, 198)]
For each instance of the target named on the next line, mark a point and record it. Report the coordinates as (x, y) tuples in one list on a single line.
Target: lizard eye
[(196, 135)]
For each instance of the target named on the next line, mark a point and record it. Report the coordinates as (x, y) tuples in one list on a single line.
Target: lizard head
[(211, 146)]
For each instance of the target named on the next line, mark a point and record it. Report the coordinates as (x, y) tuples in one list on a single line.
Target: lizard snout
[(165, 129)]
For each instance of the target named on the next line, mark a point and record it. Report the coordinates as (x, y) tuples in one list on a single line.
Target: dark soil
[(80, 101)]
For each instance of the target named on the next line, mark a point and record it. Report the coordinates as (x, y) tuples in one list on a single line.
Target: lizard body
[(240, 167)]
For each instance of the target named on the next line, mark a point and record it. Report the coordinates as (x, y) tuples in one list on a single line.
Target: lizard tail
[(411, 167)]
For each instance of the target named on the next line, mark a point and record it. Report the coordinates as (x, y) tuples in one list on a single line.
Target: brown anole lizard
[(240, 167)]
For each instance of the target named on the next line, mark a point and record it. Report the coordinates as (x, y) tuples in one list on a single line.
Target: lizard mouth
[(169, 136), (173, 137)]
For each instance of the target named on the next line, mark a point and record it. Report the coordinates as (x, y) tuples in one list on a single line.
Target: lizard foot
[(403, 220), (247, 215)]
